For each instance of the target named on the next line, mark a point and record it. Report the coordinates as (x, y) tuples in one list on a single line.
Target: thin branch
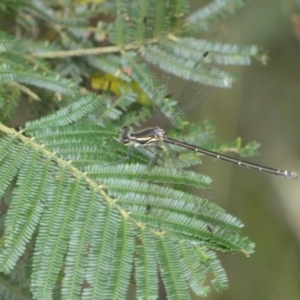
[(99, 50), (83, 52), (25, 90)]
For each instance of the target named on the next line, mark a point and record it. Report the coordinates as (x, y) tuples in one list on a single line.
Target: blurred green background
[(264, 105)]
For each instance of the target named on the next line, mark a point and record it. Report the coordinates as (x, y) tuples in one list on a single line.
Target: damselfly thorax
[(143, 138)]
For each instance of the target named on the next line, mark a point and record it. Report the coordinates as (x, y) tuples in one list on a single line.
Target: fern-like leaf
[(168, 256), (67, 115), (212, 14), (6, 42), (145, 266), (87, 214)]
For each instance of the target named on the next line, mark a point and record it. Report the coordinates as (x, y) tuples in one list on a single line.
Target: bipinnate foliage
[(78, 221)]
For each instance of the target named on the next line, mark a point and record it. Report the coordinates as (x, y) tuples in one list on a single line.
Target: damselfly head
[(125, 136)]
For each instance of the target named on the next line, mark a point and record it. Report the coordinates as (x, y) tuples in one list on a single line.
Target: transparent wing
[(157, 78), (201, 76), (199, 85)]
